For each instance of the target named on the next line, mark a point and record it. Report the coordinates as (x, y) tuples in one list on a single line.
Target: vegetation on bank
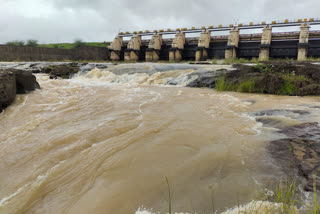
[(256, 60), (77, 43), (280, 78), (29, 43), (252, 86), (74, 45)]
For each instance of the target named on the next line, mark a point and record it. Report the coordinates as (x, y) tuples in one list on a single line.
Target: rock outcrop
[(63, 71), (300, 152), (14, 82), (205, 80), (281, 78)]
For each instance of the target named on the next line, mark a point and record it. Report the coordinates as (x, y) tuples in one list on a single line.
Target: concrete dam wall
[(297, 45)]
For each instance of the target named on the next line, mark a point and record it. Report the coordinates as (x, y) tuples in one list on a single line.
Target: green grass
[(240, 60), (221, 84), (169, 195), (311, 59), (72, 45), (214, 62), (289, 87), (248, 86), (287, 195), (262, 68), (256, 60)]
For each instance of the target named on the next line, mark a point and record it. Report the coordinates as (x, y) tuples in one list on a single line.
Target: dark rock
[(101, 66), (206, 79), (282, 112), (306, 131), (200, 63), (14, 82), (25, 82), (300, 152), (7, 90), (64, 71), (270, 83), (270, 122), (279, 118), (312, 89), (251, 101)]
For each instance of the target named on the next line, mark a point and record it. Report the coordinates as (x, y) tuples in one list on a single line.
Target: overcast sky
[(100, 20)]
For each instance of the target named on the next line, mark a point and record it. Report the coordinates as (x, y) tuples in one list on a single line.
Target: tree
[(16, 43), (78, 43), (32, 43)]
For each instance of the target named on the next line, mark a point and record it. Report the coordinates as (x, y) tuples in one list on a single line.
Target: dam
[(298, 45)]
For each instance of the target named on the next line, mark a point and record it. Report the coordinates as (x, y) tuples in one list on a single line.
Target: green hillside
[(72, 45)]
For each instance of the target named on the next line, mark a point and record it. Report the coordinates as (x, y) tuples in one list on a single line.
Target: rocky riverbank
[(281, 78), (300, 152), (14, 82), (297, 151)]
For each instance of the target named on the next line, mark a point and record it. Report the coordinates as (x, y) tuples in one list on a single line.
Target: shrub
[(78, 43), (262, 68), (32, 43), (16, 43)]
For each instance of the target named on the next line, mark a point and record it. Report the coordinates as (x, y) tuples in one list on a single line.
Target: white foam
[(177, 78), (5, 200), (257, 207), (145, 211)]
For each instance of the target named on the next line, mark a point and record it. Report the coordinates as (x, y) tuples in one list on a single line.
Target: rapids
[(104, 141)]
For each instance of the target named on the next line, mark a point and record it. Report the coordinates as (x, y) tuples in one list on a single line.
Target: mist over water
[(103, 141)]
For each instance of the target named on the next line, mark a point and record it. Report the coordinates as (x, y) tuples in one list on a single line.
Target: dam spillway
[(268, 44)]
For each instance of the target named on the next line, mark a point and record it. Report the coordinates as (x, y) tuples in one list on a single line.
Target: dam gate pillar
[(233, 42), (154, 47), (303, 42), (115, 48), (265, 43), (203, 46), (175, 53), (133, 49)]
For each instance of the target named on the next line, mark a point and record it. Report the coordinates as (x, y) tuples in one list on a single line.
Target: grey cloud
[(100, 20)]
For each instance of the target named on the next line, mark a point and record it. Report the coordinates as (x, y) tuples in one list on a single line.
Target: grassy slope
[(71, 45)]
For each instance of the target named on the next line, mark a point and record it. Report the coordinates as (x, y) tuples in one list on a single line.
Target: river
[(104, 141)]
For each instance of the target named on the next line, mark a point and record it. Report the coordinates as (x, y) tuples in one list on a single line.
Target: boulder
[(207, 80), (7, 90), (14, 82), (64, 71), (25, 81)]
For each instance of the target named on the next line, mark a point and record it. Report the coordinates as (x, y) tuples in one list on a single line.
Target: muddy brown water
[(103, 143)]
